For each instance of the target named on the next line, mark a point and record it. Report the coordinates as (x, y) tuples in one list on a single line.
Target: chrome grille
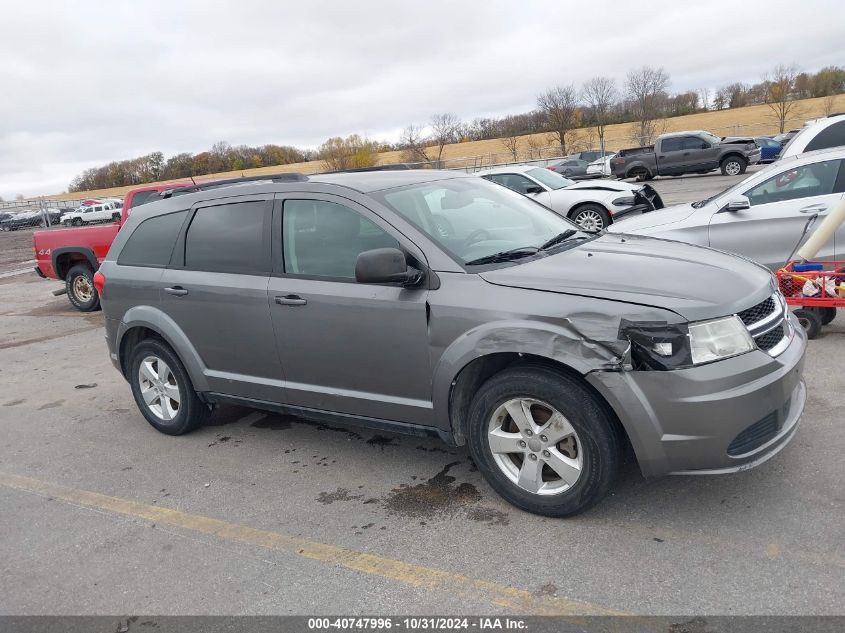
[(768, 325)]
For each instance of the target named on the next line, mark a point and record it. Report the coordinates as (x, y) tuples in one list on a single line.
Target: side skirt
[(344, 419)]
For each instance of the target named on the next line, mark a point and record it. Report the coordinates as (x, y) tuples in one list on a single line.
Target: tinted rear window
[(670, 144), (151, 243), (831, 136), (143, 197), (227, 238)]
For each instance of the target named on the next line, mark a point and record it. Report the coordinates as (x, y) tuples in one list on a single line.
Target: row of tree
[(642, 99)]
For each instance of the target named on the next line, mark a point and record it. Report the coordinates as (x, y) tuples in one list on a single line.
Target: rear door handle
[(291, 300), (179, 291)]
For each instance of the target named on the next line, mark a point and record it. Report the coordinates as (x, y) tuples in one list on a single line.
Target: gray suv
[(544, 348)]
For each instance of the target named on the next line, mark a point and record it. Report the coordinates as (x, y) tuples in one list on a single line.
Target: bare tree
[(535, 147), (445, 129), (600, 95), (828, 104), (704, 94), (560, 107), (413, 143), (510, 139), (646, 89), (780, 84)]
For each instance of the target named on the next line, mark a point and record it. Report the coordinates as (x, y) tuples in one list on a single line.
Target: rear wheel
[(543, 441), (591, 217), (76, 221), (81, 292), (810, 320), (827, 315), (162, 389)]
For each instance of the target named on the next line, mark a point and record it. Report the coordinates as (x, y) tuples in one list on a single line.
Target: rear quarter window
[(151, 243), (831, 136)]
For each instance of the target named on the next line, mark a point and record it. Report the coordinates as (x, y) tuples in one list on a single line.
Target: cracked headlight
[(718, 338)]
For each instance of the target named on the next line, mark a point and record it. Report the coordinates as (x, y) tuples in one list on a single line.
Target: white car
[(763, 217), (592, 204), (90, 214), (601, 166), (817, 134)]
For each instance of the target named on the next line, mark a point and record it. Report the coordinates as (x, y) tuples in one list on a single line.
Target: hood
[(602, 185), (653, 219), (692, 281)]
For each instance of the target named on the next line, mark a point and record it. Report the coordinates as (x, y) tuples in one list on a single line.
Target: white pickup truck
[(106, 211)]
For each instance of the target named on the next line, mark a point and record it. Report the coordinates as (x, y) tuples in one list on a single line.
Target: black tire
[(191, 413), (115, 217), (733, 166), (599, 440), (591, 210), (810, 320), (76, 222), (76, 290), (826, 315)]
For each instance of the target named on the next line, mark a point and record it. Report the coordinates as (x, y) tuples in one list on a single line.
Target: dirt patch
[(341, 494), (435, 497), (491, 516), (51, 405), (42, 339), (273, 422), (381, 441), (13, 403)]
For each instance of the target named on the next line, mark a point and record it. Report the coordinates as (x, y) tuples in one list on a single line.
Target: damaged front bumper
[(720, 417)]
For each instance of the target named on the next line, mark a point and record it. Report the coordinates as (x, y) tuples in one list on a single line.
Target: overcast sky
[(85, 83)]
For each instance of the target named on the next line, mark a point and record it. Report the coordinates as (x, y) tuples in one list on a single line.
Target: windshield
[(472, 218), (551, 179)]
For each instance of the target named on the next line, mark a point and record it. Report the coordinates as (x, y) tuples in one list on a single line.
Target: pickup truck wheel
[(543, 441), (162, 389), (76, 221), (80, 288), (733, 166), (591, 217)]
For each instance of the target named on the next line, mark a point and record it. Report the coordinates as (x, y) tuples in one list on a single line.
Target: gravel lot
[(258, 513)]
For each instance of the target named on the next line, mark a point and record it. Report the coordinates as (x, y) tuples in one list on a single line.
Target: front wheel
[(162, 389), (733, 167), (543, 441), (591, 217), (76, 222), (81, 292)]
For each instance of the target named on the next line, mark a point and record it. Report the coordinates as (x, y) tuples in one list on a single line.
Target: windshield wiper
[(557, 239), (505, 256)]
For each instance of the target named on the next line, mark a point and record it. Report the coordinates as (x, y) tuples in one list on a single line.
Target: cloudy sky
[(85, 83)]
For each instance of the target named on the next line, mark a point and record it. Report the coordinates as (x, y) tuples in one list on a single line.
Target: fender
[(575, 342), (156, 320), (82, 250)]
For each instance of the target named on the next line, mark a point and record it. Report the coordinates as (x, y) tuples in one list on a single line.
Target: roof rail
[(214, 184), (391, 167)]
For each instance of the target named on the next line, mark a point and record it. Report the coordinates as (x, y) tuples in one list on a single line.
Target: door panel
[(347, 347)]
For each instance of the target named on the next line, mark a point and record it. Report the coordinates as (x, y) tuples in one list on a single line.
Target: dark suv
[(544, 348)]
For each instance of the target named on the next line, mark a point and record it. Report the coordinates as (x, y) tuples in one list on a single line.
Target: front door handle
[(291, 300), (814, 208), (178, 291)]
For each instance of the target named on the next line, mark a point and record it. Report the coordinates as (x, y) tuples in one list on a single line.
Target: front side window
[(471, 218), (227, 238), (324, 239), (693, 142), (816, 179), (516, 182), (152, 241)]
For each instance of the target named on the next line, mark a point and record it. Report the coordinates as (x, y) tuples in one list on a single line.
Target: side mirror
[(534, 189), (385, 266), (740, 203)]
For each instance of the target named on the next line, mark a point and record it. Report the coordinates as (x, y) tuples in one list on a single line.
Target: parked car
[(543, 348), (593, 205), (601, 166), (784, 138), (763, 216), (587, 155), (818, 134), (769, 148), (682, 153), (21, 219), (569, 167), (93, 214), (74, 254)]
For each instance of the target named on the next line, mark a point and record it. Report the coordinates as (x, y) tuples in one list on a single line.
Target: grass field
[(751, 121)]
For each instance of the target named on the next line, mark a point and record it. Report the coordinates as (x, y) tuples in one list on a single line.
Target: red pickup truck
[(73, 255)]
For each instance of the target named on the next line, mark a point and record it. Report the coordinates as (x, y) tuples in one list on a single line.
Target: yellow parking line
[(517, 600)]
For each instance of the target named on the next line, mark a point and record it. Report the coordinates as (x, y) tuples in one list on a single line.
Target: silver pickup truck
[(682, 153)]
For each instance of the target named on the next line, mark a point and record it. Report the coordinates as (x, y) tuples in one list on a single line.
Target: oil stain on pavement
[(435, 497)]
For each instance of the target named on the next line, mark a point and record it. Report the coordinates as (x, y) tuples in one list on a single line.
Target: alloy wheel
[(732, 168), (589, 220), (535, 446), (159, 388)]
